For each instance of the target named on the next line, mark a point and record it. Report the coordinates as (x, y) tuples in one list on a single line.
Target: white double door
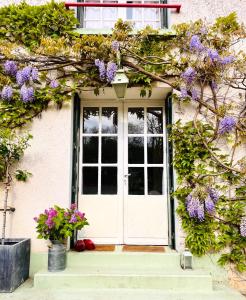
[(122, 186)]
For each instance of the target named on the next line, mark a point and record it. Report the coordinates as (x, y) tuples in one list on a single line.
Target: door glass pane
[(154, 120), (136, 181), (109, 181), (136, 120), (90, 119), (90, 180), (155, 150), (90, 149), (109, 149), (155, 181), (109, 120), (135, 150)]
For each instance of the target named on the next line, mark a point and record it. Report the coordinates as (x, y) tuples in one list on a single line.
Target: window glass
[(109, 119), (136, 181), (154, 120), (90, 149), (109, 181), (155, 181), (155, 150), (90, 119), (109, 149), (135, 150), (136, 120), (90, 180)]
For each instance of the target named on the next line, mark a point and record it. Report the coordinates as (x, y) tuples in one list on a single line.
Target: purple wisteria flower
[(227, 124), (243, 227), (54, 84), (34, 73), (194, 94), (7, 92), (24, 75), (19, 78), (195, 44), (195, 208), (209, 205), (213, 55), (213, 194), (101, 67), (27, 94), (10, 67), (111, 71), (227, 60), (189, 75), (183, 93), (115, 45), (73, 219)]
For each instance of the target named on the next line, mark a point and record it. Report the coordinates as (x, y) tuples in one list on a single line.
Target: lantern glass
[(120, 83)]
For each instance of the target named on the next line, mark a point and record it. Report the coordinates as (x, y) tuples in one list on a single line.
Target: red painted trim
[(139, 5)]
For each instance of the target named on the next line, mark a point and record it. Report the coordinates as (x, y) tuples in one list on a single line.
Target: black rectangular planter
[(14, 263)]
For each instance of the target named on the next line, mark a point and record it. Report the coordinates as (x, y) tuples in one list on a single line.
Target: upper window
[(105, 17)]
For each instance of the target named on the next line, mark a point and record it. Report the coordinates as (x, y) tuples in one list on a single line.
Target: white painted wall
[(49, 160), (192, 10)]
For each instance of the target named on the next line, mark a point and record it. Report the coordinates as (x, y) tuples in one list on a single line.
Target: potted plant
[(56, 224), (14, 253)]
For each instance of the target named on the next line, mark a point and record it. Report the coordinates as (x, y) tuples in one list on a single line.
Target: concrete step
[(26, 292), (113, 278), (124, 260)]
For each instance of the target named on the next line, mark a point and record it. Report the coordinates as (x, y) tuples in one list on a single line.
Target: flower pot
[(14, 263), (57, 257)]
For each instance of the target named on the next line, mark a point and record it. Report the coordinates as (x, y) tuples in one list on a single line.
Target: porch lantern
[(186, 259), (120, 83)]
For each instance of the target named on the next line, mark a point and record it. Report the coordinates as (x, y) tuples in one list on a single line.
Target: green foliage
[(227, 24), (27, 24), (188, 149), (12, 147), (22, 175), (218, 231)]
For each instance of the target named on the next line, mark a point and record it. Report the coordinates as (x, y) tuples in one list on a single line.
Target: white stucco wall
[(192, 10), (49, 160)]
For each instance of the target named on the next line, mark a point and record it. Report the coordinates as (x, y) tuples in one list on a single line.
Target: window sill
[(105, 31)]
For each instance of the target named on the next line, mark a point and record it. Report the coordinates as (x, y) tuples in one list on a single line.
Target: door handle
[(127, 175)]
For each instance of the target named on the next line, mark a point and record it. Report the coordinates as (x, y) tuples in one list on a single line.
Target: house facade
[(110, 157)]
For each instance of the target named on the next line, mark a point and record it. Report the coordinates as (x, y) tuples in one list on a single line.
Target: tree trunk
[(6, 188)]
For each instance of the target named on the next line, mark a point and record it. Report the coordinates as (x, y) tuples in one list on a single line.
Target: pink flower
[(73, 219), (73, 206), (79, 214)]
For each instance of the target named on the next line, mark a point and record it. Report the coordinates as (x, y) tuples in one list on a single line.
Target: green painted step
[(124, 260), (99, 278)]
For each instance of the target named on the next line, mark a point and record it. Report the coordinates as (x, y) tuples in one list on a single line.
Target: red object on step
[(79, 246), (89, 245)]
